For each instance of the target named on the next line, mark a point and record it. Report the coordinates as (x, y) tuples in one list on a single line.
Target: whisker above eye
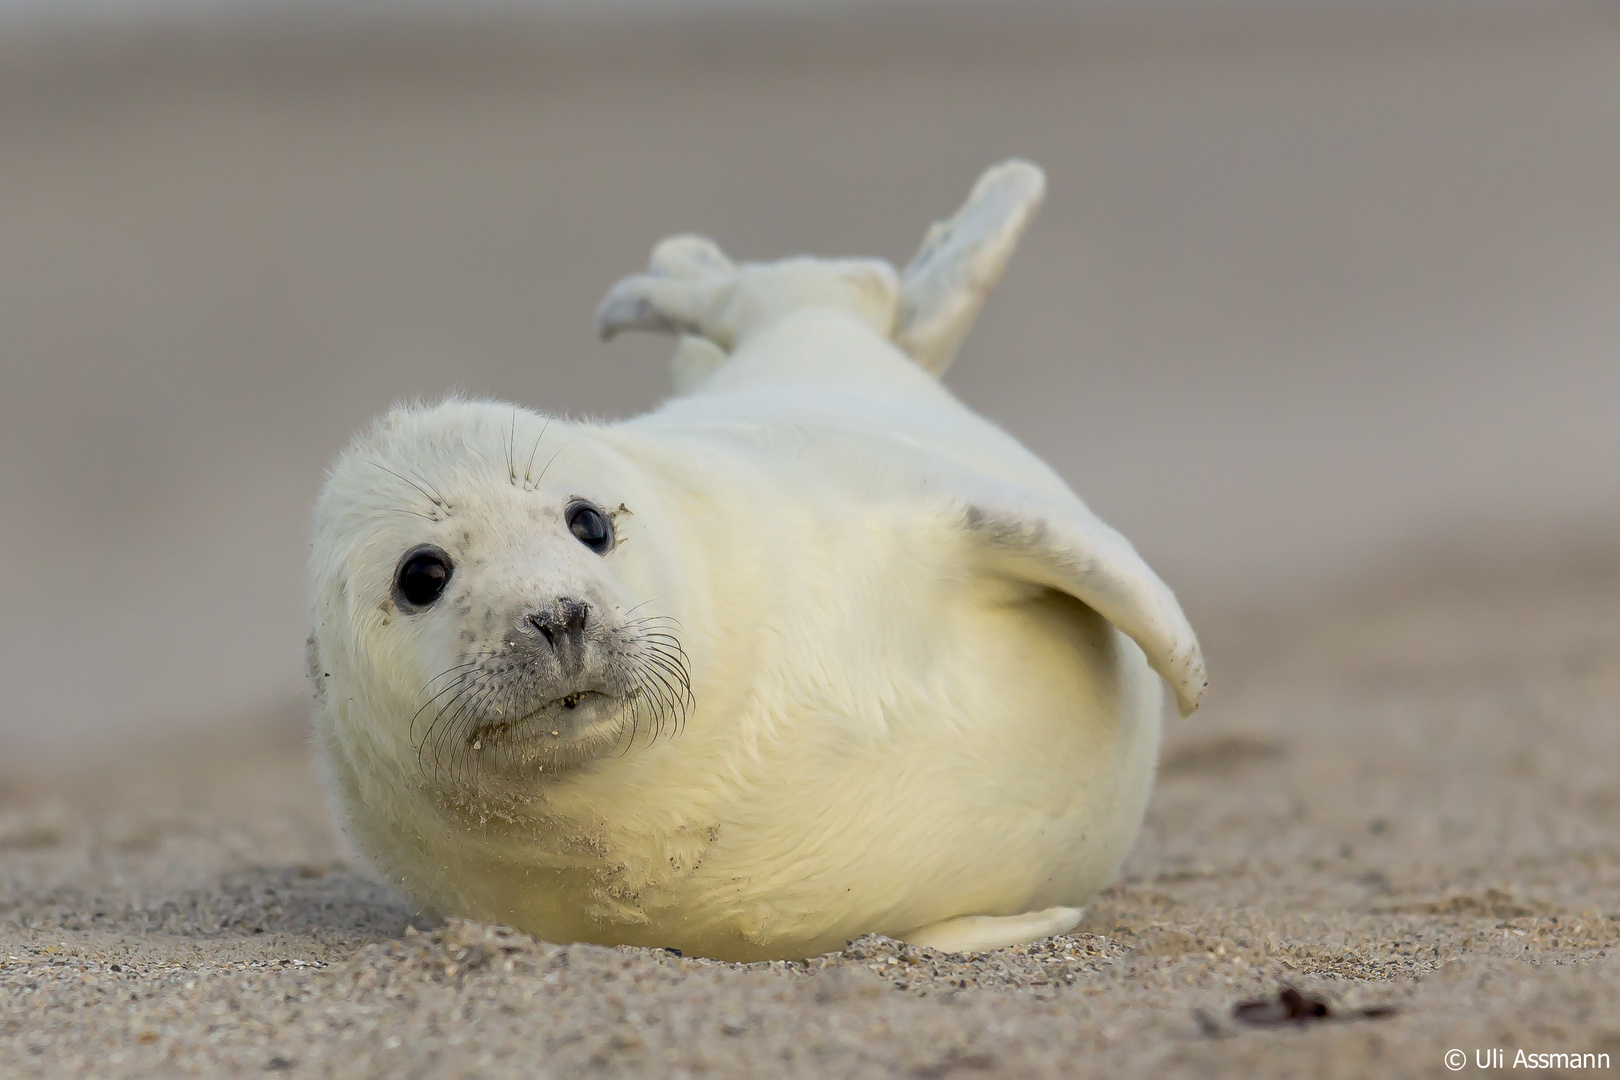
[(530, 466), (437, 494), (432, 496), (412, 513), (547, 468), (511, 448)]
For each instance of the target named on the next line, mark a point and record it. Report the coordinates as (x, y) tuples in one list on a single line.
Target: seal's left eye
[(422, 576), (590, 527)]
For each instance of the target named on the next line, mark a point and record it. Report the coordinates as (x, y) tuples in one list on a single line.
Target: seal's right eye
[(423, 574)]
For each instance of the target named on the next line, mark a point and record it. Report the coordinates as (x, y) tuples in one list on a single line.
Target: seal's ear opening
[(1071, 550)]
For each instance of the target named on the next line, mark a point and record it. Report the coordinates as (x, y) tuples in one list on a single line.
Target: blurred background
[(1323, 291)]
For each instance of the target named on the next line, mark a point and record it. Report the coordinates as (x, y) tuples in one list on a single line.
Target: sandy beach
[(1321, 315)]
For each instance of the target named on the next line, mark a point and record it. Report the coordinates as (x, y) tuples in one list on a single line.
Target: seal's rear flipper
[(691, 289), (685, 292), (695, 359), (981, 933), (961, 260)]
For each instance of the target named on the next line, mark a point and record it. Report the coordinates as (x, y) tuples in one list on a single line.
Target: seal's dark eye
[(590, 527), (423, 574)]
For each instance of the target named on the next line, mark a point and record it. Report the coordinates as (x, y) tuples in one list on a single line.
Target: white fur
[(922, 670)]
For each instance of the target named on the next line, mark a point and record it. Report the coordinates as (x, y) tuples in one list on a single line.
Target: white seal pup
[(808, 652)]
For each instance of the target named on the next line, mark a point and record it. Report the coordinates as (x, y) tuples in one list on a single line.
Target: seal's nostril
[(575, 615), (541, 624), (563, 623)]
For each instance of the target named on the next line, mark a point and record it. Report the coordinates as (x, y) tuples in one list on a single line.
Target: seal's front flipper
[(981, 933), (1001, 530), (1070, 549), (961, 260)]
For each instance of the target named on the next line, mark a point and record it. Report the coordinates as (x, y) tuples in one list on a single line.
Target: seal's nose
[(563, 624)]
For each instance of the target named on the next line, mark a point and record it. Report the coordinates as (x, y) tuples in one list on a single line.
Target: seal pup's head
[(481, 604)]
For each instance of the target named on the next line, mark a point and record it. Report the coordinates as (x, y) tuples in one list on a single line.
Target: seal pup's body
[(902, 680)]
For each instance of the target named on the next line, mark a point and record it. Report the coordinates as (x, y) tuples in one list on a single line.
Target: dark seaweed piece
[(1289, 1007), (1292, 1006)]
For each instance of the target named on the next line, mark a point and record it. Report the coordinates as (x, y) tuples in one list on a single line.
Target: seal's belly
[(1011, 777), (1017, 784)]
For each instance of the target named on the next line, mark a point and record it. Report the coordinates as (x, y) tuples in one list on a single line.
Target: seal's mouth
[(550, 719)]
